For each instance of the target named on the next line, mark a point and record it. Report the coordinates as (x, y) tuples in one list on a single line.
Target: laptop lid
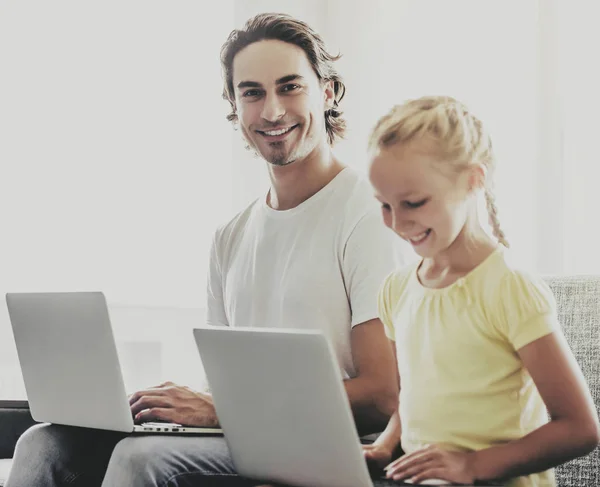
[(281, 403), (69, 359)]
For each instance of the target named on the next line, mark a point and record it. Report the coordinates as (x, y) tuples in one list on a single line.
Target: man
[(311, 253)]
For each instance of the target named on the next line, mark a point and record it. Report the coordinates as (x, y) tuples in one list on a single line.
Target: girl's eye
[(385, 206), (415, 204)]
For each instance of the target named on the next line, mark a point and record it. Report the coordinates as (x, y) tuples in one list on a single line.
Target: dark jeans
[(52, 456)]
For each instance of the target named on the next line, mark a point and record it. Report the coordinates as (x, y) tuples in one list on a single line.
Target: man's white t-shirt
[(319, 265)]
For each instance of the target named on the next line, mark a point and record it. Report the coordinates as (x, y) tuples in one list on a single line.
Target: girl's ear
[(477, 177)]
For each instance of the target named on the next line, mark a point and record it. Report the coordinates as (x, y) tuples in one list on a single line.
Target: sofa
[(14, 420), (578, 299)]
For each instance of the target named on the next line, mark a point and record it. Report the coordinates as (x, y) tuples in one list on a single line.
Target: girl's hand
[(378, 455), (433, 463)]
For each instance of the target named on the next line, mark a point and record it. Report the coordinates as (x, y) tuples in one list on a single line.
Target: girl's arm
[(573, 430), (390, 438)]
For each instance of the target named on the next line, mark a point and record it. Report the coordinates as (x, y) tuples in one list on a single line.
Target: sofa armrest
[(15, 419)]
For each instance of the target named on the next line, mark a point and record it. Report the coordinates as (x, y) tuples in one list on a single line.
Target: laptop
[(281, 403), (70, 365)]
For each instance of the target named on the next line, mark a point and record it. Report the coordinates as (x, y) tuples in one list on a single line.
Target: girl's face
[(424, 202)]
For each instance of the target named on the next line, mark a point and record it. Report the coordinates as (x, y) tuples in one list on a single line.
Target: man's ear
[(329, 94)]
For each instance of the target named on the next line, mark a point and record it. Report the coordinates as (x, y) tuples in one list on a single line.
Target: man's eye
[(415, 204), (251, 93), (290, 87)]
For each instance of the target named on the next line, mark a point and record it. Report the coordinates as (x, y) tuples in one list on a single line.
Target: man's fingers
[(154, 390), (146, 392), (155, 414), (148, 402), (136, 396)]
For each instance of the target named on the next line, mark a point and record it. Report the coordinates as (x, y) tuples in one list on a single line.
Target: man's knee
[(157, 460), (140, 458), (38, 454), (39, 440)]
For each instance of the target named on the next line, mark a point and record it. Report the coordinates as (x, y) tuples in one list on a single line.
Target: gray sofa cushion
[(4, 469), (578, 301), (13, 422)]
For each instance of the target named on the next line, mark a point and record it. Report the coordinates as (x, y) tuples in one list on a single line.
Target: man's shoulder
[(353, 197), (234, 225), (356, 184)]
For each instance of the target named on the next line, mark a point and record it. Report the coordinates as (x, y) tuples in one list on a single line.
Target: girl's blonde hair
[(458, 136)]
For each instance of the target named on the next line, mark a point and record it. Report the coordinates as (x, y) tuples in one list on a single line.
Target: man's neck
[(293, 184)]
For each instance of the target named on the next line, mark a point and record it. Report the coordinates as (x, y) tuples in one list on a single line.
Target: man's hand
[(175, 404), (433, 462)]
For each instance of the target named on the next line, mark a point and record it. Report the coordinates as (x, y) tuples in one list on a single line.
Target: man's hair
[(285, 28)]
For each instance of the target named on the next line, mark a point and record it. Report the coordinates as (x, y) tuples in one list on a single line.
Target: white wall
[(115, 150), (578, 46), (115, 162), (399, 49), (156, 345)]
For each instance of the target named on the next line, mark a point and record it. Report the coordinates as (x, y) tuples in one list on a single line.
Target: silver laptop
[(70, 364), (281, 403)]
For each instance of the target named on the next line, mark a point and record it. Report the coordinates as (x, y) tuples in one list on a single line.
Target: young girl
[(482, 361)]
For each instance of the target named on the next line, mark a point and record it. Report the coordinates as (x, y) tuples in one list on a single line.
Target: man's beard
[(282, 158), (279, 157)]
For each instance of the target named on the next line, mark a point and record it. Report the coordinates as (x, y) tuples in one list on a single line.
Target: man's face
[(280, 101)]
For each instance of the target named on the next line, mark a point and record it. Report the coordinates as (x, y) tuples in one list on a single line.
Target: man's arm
[(373, 393), (372, 252)]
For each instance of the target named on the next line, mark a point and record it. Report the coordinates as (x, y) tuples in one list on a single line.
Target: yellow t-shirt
[(462, 383)]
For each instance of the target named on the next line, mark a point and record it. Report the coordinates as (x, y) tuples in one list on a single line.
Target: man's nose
[(273, 109)]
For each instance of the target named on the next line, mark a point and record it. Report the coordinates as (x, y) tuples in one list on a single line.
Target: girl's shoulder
[(519, 302), (398, 281), (515, 286)]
